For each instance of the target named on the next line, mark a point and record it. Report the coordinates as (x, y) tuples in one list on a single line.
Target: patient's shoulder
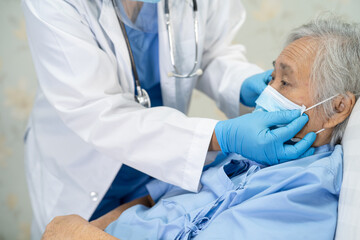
[(324, 157), (331, 160)]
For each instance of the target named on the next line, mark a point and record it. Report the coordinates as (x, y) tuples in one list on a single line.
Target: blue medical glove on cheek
[(253, 86), (250, 136)]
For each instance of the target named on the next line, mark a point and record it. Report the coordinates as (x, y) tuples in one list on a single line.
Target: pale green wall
[(17, 88), (263, 34)]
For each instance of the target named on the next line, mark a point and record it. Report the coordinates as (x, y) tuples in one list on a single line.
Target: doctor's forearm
[(73, 227), (214, 145), (103, 221)]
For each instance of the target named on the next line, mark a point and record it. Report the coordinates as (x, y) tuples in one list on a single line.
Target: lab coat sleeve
[(80, 81), (224, 64)]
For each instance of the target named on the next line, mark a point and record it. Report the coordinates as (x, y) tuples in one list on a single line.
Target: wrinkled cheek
[(313, 125)]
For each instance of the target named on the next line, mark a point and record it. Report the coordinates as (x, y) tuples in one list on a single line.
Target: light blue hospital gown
[(241, 200)]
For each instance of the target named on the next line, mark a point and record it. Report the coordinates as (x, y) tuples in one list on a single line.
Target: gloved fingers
[(268, 76), (253, 86), (308, 153), (280, 117), (265, 79), (219, 130), (288, 131), (300, 149)]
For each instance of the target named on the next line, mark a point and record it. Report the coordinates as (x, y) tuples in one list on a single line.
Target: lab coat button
[(94, 196)]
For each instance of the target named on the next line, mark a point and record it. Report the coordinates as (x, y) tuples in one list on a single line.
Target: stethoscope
[(142, 96)]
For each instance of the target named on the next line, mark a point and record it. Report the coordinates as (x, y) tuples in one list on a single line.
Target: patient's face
[(291, 78)]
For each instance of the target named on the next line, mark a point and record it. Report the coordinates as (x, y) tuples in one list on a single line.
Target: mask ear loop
[(307, 109), (323, 129)]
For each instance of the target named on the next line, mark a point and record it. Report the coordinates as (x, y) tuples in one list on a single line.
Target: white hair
[(336, 68)]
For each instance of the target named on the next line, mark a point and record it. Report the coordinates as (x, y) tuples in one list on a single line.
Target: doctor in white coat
[(86, 125)]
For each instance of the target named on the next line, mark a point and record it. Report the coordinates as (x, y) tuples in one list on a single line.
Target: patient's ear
[(343, 106)]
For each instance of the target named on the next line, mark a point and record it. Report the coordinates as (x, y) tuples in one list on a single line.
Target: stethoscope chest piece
[(143, 98)]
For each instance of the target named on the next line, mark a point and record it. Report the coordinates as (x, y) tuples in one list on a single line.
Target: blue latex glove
[(250, 136), (253, 86)]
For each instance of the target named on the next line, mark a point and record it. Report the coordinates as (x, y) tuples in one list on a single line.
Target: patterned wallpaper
[(17, 91), (263, 33)]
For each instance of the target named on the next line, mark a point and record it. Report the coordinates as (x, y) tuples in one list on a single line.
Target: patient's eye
[(284, 83)]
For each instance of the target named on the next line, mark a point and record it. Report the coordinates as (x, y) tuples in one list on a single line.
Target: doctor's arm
[(73, 227), (103, 221), (80, 80)]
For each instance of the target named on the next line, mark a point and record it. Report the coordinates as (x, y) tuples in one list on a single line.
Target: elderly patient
[(292, 200)]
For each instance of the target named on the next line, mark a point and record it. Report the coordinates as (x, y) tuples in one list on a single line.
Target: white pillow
[(348, 225)]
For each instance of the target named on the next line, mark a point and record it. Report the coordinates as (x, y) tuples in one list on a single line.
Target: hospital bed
[(348, 226)]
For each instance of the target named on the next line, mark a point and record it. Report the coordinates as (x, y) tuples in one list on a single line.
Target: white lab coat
[(85, 123)]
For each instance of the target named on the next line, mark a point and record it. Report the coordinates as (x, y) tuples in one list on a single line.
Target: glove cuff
[(219, 133)]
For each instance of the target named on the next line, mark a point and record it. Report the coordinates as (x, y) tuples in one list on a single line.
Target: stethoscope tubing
[(142, 96), (131, 56), (194, 71)]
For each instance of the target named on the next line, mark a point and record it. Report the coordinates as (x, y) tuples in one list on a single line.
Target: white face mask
[(271, 100)]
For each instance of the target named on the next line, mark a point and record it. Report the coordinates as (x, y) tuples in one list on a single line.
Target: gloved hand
[(253, 86), (250, 136)]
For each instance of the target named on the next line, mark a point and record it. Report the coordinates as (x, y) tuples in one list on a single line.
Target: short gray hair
[(336, 68)]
